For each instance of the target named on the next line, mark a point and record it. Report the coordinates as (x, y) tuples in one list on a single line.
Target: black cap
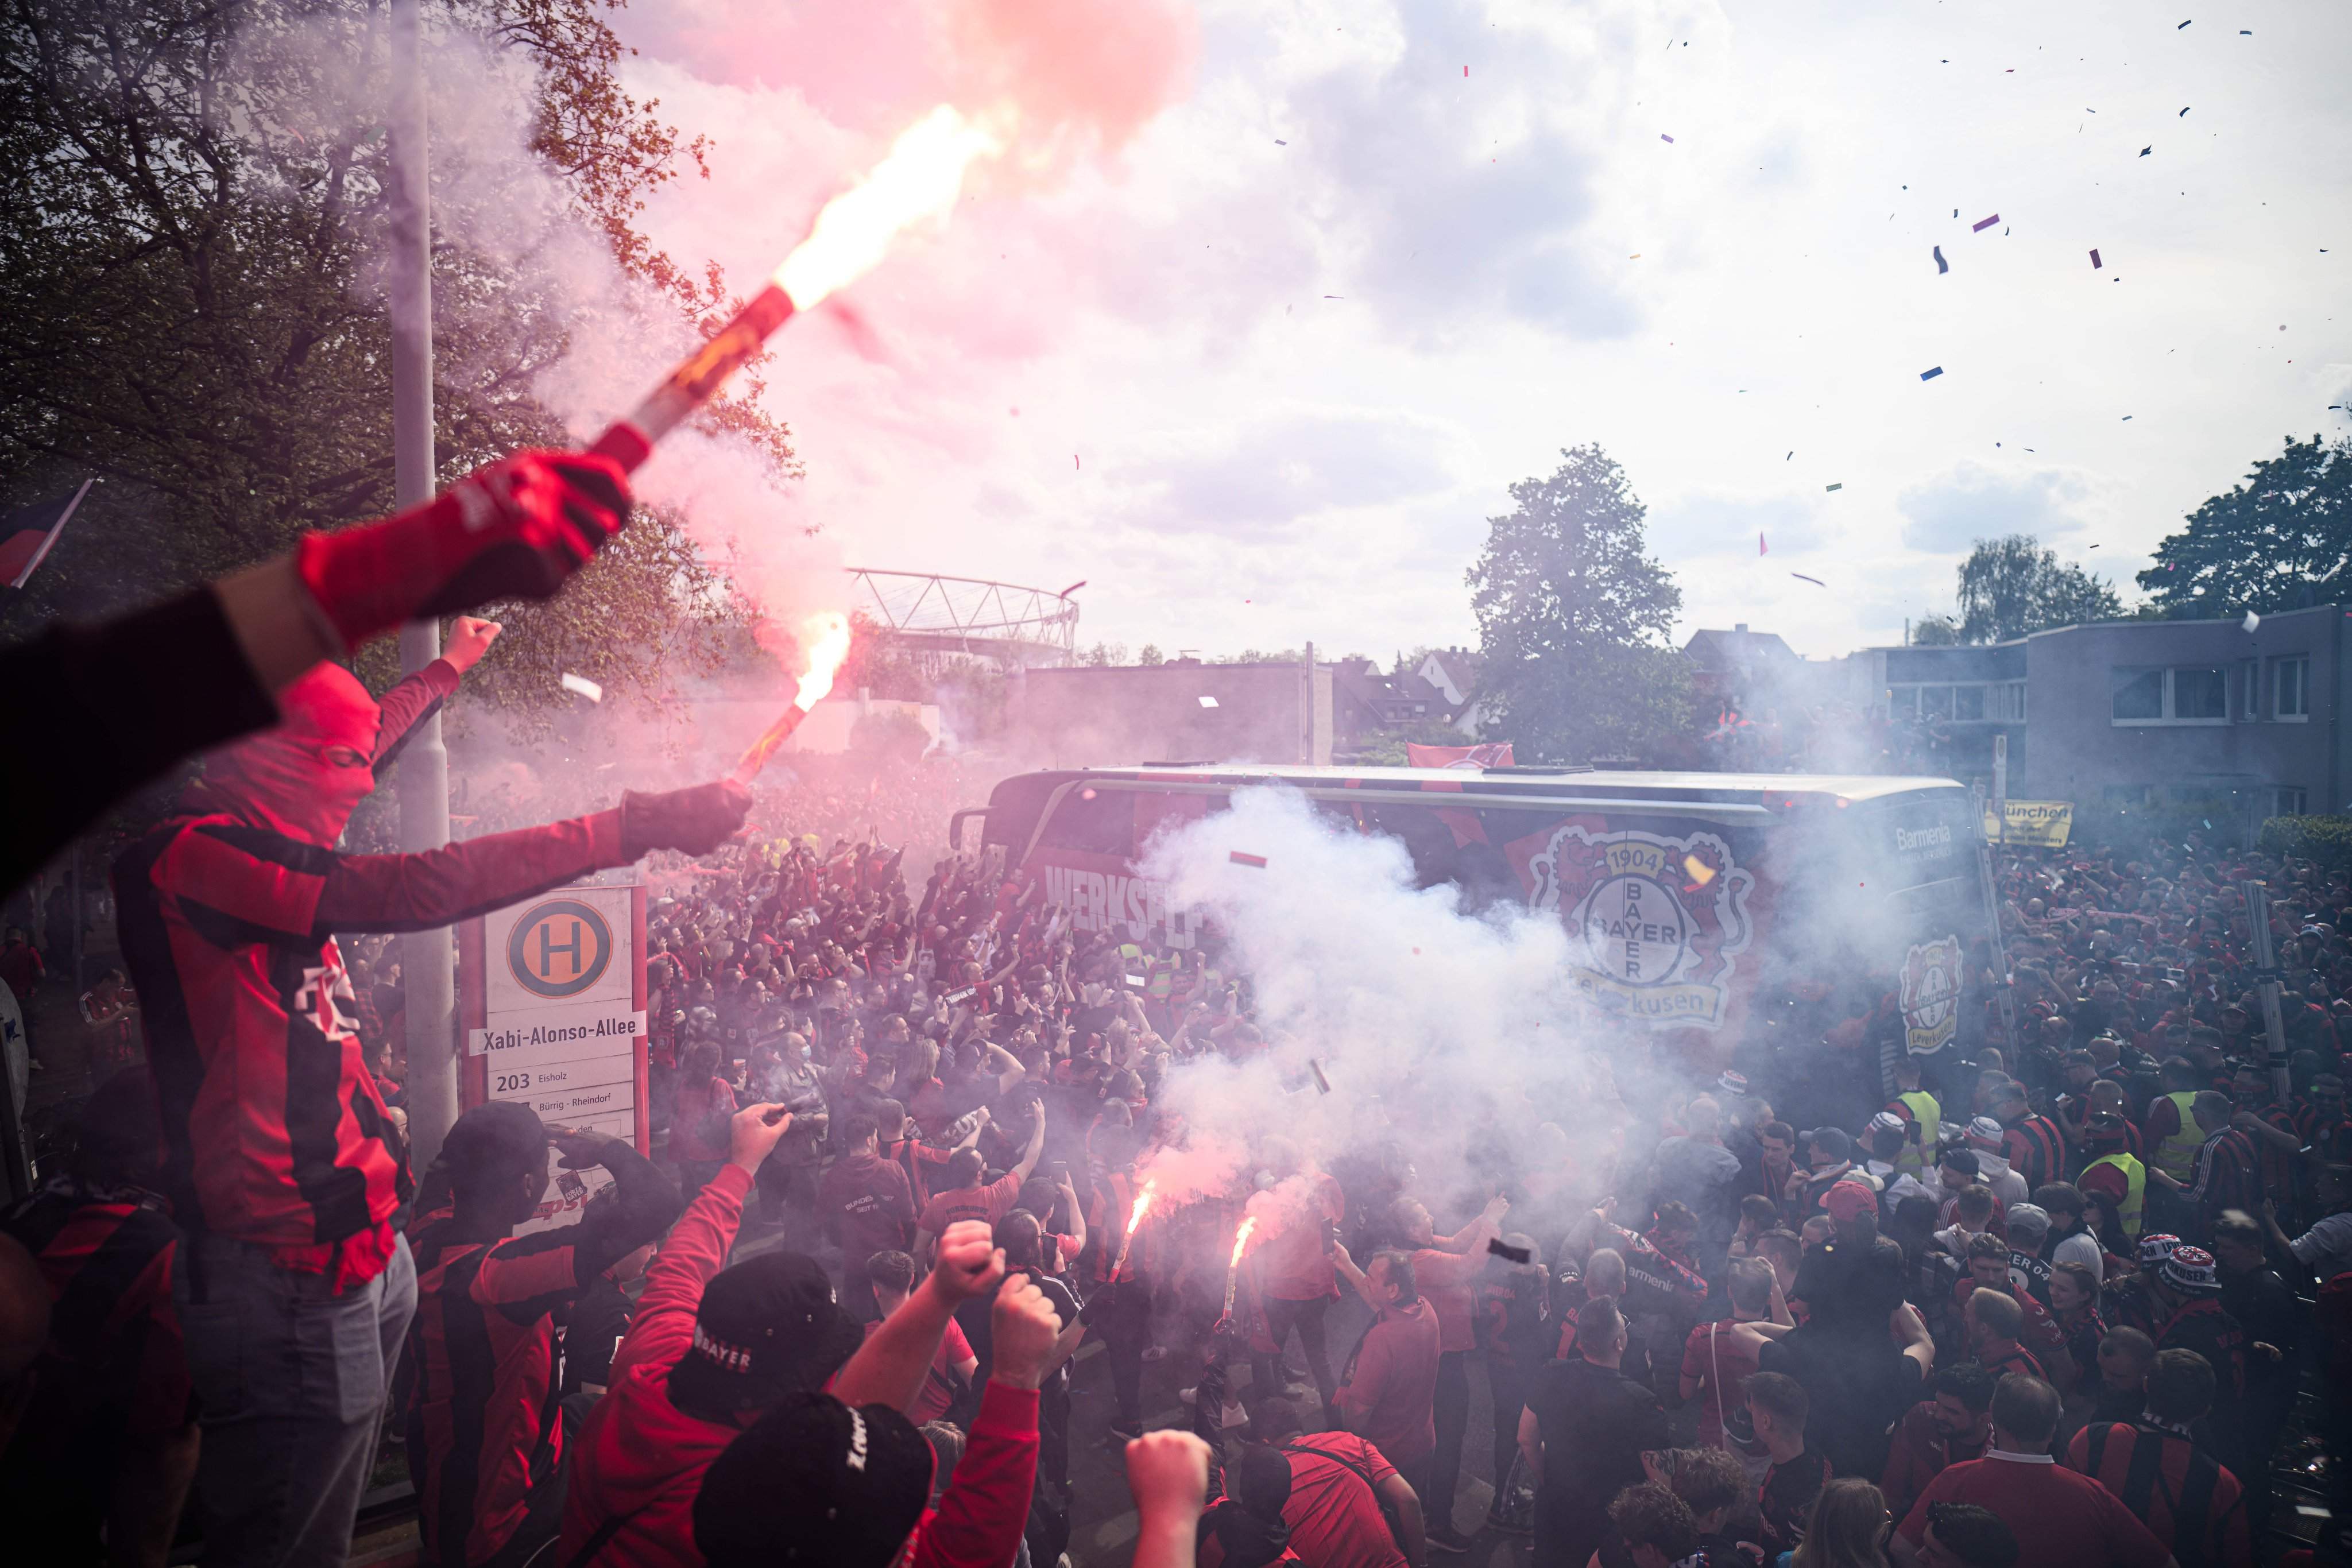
[(766, 1328), (814, 1481)]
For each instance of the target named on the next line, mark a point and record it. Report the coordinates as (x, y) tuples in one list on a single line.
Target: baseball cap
[(814, 1481), (2027, 1220), (2191, 1268), (766, 1328), (1832, 1142), (2154, 1250), (1846, 1199)]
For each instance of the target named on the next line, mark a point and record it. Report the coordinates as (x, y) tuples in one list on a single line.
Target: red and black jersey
[(2035, 1150), (2227, 1173), (484, 1369), (2186, 1500), (106, 1254), (274, 1131)]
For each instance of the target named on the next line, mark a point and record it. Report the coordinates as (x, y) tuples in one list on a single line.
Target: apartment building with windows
[(2132, 712)]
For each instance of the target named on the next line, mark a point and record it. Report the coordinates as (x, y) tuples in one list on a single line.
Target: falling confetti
[(1076, 464), (2178, 116), (1322, 1084), (583, 685), (1240, 859), (1278, 142), (1664, 137), (1930, 374), (2252, 621), (2145, 150), (1699, 870), (2096, 262), (1761, 547), (1208, 702), (2176, 29), (1816, 581), (1839, 486), (1983, 223), (1942, 267)]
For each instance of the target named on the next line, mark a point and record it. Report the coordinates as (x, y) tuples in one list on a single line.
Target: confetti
[(1839, 486), (2252, 621), (1208, 702), (2149, 149), (1240, 859), (2096, 262), (1278, 142), (1942, 267), (2178, 116), (1761, 549), (1664, 137), (1930, 375), (1508, 1254), (1698, 870), (1335, 297), (2127, 419), (2176, 29), (583, 685), (1076, 464), (1983, 223), (2094, 547), (1816, 581), (1792, 452), (1315, 1067)]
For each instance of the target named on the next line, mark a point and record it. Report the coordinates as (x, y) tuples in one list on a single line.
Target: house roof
[(1737, 648)]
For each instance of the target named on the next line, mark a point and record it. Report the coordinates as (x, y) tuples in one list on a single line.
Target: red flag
[(26, 535)]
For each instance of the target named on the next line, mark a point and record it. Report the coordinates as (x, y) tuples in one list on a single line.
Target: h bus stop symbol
[(560, 948)]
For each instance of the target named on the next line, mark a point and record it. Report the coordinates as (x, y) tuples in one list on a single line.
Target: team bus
[(1746, 918)]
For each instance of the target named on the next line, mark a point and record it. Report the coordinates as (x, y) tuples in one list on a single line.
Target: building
[(2126, 713), (1080, 716)]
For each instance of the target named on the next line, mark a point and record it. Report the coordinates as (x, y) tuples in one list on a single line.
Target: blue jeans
[(292, 1381)]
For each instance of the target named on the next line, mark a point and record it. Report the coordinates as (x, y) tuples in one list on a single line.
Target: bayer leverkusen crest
[(1656, 922), (1930, 995)]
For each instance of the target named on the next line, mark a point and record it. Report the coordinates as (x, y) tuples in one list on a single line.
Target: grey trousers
[(292, 1381)]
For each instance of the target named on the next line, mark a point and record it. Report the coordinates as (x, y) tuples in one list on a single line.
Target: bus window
[(1094, 821)]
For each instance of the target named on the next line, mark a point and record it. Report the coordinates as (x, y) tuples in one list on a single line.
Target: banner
[(2037, 824), (1494, 754), (1655, 920)]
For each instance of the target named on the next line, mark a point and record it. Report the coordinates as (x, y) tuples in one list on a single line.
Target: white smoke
[(1411, 1007)]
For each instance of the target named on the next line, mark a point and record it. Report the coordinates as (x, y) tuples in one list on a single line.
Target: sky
[(1259, 369)]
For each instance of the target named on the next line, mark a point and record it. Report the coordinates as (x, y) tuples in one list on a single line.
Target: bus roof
[(1535, 780)]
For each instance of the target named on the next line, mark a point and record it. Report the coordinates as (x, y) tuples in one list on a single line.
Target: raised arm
[(1037, 1146), (890, 1367)]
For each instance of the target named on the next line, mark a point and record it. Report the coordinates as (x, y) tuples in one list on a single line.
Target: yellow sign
[(2038, 824)]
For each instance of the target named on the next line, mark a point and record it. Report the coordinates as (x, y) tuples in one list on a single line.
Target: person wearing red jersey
[(967, 1198), (1954, 1426), (108, 1442), (2187, 1499), (283, 1168), (1296, 1279), (2033, 1143), (890, 1280), (2060, 1519), (1992, 1321), (863, 1202), (1719, 1358), (1388, 1394), (485, 1448), (1343, 1495), (1444, 1268), (708, 1351)]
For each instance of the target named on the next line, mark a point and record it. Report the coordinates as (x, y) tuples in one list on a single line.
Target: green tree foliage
[(1937, 631), (2287, 531), (2011, 587), (1150, 655), (189, 309), (1573, 618)]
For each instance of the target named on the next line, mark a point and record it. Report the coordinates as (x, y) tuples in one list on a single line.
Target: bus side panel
[(1670, 917)]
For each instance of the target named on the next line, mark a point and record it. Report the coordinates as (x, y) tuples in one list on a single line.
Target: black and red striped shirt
[(485, 1374), (106, 1254), (2185, 1496), (274, 1131)]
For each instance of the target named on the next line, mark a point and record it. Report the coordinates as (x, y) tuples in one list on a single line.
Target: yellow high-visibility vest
[(1929, 1117), (2135, 1190), (2177, 1155)]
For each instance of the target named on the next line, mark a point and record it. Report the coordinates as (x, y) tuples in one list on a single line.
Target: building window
[(1968, 703), (2286, 801), (2291, 689), (2250, 690), (2191, 694), (2125, 794), (2005, 702)]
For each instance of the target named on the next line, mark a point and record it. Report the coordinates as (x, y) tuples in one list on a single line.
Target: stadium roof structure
[(923, 611)]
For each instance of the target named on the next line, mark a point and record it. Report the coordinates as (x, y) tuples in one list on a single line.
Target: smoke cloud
[(1418, 1014)]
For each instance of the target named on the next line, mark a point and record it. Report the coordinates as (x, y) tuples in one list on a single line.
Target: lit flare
[(920, 177), (1134, 1217), (826, 637)]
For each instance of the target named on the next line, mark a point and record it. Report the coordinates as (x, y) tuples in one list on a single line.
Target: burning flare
[(1134, 1218), (920, 177), (825, 635), (1241, 1240)]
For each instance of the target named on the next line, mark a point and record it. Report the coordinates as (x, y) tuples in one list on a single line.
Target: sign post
[(2266, 976), (2001, 785), (555, 1018)]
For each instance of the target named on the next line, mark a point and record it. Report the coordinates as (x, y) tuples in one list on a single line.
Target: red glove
[(514, 530), (695, 819)]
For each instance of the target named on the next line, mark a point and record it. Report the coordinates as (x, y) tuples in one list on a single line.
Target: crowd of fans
[(2058, 1301)]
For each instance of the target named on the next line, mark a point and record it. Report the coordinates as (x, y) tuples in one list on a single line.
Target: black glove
[(696, 819)]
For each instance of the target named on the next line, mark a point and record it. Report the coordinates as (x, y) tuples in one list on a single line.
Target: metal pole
[(428, 967), (2258, 922), (2005, 982)]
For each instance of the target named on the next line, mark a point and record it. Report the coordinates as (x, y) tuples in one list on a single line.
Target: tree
[(189, 307), (1104, 655), (1150, 655), (2010, 587), (1936, 630), (2281, 539), (1573, 617)]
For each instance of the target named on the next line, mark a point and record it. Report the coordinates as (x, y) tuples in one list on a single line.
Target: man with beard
[(1954, 1424), (284, 1167)]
